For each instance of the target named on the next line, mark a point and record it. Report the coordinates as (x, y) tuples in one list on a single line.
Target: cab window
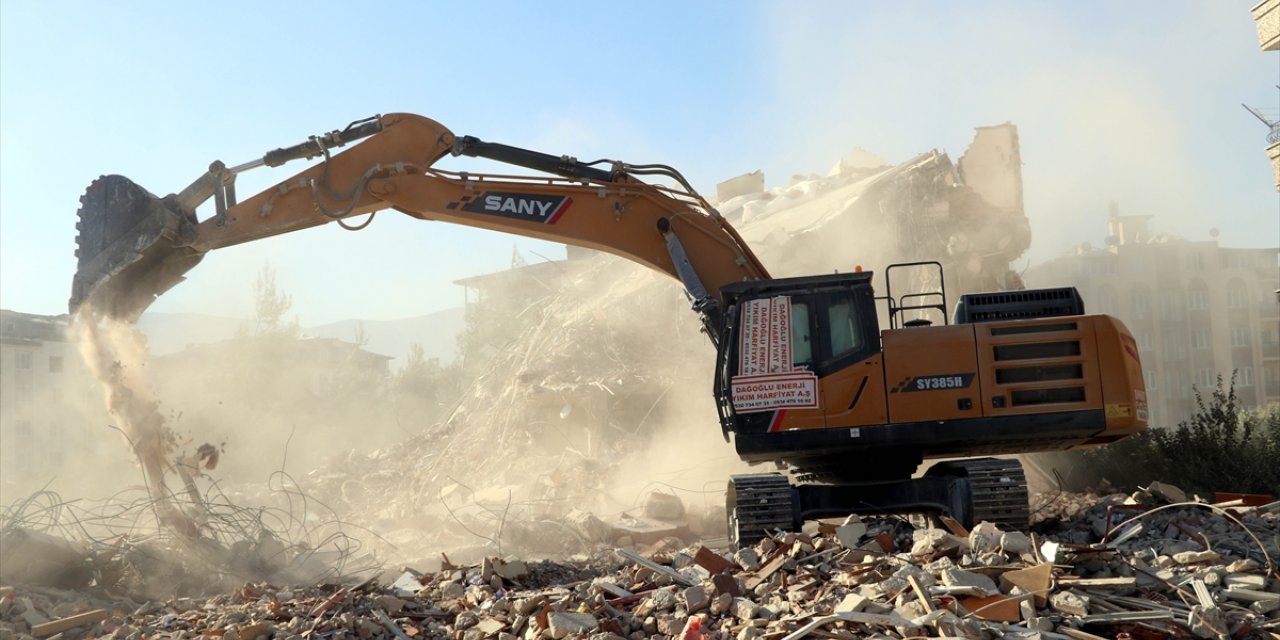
[(846, 336), (801, 340)]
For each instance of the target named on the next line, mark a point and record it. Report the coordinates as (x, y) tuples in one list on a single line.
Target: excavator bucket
[(133, 246)]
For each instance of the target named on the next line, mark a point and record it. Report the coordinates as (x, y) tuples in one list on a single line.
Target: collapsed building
[(968, 215)]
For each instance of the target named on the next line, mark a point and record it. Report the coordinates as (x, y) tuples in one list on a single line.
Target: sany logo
[(516, 205), (532, 207)]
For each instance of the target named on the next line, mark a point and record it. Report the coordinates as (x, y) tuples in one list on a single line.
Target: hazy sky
[(1134, 102)]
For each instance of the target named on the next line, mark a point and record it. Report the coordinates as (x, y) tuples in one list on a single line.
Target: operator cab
[(830, 319), (792, 329), (791, 332)]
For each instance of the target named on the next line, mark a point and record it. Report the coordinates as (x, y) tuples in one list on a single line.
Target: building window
[(1237, 298), (22, 429), (1141, 302), (1144, 341), (1198, 300), (1170, 306), (1195, 262), (1177, 383), (1246, 377), (55, 364), (1105, 300), (22, 359), (1199, 339), (1206, 379), (1149, 379), (1240, 337), (1175, 347), (23, 390)]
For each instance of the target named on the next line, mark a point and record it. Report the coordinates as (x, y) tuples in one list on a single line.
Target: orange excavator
[(806, 376)]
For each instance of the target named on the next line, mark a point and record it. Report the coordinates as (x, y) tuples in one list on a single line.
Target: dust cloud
[(116, 355)]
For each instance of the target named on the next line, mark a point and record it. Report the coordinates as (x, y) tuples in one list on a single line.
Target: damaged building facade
[(865, 212), (1266, 15), (1197, 310), (47, 400)]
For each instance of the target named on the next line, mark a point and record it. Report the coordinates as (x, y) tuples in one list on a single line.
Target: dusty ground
[(1101, 565)]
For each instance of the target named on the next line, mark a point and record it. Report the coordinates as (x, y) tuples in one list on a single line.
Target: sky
[(1139, 103)]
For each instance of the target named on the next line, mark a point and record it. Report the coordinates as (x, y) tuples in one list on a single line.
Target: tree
[(1221, 447), (270, 306), (425, 387)]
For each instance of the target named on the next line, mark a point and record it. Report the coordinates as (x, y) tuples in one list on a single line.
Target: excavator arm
[(133, 246)]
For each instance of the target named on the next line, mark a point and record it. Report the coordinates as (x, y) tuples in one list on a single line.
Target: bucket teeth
[(131, 248)]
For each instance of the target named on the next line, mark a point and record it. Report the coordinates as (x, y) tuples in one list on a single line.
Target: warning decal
[(767, 379), (1140, 399)]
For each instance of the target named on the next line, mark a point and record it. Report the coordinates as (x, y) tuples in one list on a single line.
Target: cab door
[(850, 366)]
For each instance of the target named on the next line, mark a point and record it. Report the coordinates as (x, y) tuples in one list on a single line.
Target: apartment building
[(1196, 309), (48, 401)]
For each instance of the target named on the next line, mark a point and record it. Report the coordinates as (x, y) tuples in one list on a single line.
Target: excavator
[(806, 377)]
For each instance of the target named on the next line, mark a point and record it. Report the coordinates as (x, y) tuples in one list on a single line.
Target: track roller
[(998, 491), (759, 503)]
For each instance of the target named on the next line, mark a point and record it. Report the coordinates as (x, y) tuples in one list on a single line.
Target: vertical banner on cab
[(766, 378), (754, 345), (780, 334), (766, 336)]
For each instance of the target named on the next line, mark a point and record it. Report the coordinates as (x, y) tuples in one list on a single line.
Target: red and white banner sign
[(797, 390), (767, 379), (766, 336)]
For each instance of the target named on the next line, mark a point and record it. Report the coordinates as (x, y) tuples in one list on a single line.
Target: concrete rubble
[(1132, 566)]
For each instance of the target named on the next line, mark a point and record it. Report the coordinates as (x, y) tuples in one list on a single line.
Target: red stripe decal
[(1130, 346), (776, 425), (560, 210)]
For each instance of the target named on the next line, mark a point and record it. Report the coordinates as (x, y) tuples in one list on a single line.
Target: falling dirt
[(116, 355)]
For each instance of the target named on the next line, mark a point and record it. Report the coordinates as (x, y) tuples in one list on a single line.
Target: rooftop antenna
[(1274, 136)]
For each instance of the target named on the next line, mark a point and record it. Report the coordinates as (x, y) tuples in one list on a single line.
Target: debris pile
[(1158, 569), (121, 546)]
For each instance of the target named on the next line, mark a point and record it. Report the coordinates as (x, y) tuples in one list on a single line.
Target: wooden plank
[(1098, 583), (712, 561), (1036, 580), (954, 526), (921, 594), (70, 622), (994, 608), (1078, 634)]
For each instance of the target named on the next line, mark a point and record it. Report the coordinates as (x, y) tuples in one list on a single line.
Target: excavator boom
[(133, 245)]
